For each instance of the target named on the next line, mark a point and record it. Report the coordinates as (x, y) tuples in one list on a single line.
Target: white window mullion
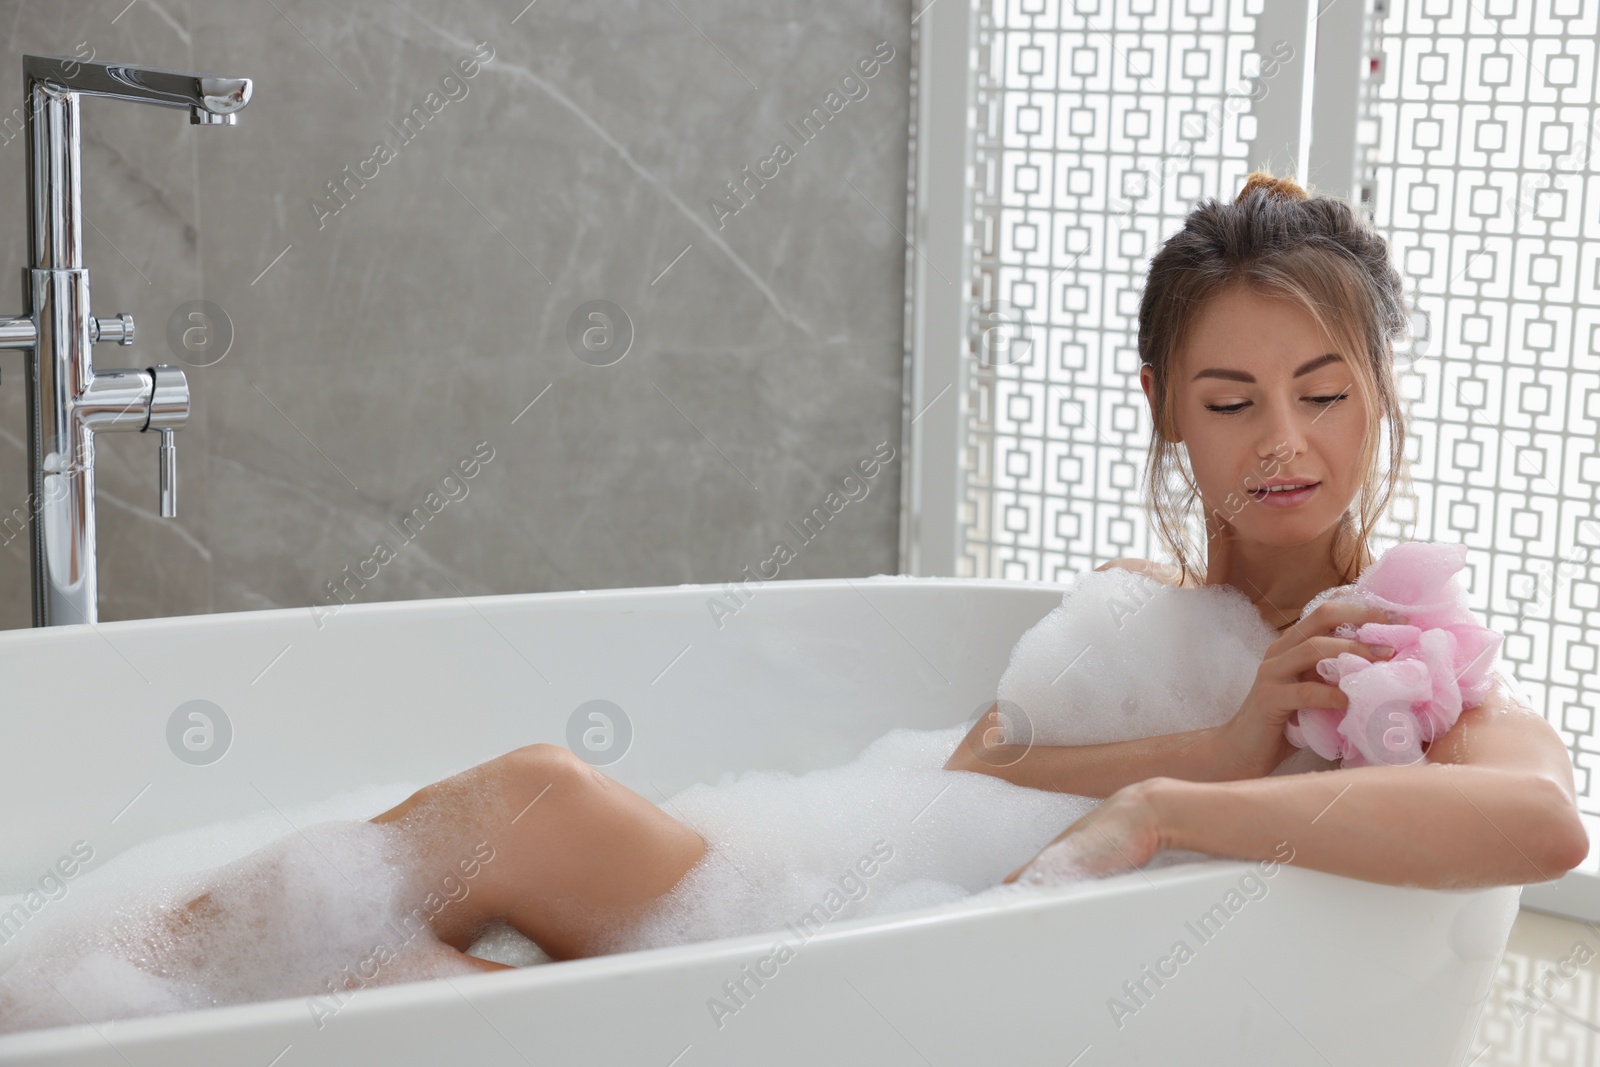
[(937, 286), (1338, 30)]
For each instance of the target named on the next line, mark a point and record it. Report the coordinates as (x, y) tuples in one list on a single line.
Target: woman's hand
[(1253, 742), (1120, 834)]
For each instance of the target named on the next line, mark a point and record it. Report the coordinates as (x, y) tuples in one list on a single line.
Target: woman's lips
[(1285, 499)]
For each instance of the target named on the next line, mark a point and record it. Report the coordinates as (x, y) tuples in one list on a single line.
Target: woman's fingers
[(1330, 616), (1118, 834), (1323, 645), (1319, 695), (1254, 741), (1306, 655)]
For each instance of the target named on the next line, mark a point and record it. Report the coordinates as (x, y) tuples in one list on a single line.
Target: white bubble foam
[(890, 831), (1125, 655), (323, 910)]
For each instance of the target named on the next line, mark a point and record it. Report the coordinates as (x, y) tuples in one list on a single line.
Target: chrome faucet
[(69, 400)]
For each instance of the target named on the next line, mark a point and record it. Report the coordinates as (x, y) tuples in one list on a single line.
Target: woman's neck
[(1281, 579)]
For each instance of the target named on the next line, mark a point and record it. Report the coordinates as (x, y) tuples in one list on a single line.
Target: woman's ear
[(1147, 379)]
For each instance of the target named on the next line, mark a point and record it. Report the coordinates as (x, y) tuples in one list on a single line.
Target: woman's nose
[(1284, 430)]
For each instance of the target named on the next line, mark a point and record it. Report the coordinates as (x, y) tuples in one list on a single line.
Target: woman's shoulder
[(1162, 572)]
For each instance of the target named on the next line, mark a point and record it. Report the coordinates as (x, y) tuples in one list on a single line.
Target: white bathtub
[(1318, 969)]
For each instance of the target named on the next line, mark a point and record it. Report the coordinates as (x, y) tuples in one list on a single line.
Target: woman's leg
[(575, 854)]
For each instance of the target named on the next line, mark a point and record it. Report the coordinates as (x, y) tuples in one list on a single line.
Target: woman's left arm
[(1492, 803)]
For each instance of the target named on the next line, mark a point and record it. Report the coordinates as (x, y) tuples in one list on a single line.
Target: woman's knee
[(542, 778), (521, 773), (542, 756), (542, 766), (550, 777)]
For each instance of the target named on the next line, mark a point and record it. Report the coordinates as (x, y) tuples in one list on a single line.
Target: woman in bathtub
[(1265, 332)]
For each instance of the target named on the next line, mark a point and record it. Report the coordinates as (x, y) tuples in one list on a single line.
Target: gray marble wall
[(389, 338)]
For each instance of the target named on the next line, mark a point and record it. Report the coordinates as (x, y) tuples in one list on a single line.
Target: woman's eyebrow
[(1243, 376)]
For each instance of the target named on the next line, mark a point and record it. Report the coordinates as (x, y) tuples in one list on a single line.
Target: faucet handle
[(119, 329), (169, 475), (168, 410)]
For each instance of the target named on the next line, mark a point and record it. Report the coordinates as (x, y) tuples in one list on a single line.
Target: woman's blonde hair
[(1316, 251)]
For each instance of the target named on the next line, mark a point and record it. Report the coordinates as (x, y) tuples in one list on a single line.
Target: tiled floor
[(1545, 1007)]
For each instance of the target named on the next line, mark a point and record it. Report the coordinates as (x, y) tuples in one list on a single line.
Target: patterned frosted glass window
[(1478, 142), (1099, 123)]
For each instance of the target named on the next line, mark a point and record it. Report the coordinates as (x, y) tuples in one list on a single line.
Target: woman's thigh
[(571, 854)]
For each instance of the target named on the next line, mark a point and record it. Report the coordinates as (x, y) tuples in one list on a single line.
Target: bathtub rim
[(198, 1022), (424, 605)]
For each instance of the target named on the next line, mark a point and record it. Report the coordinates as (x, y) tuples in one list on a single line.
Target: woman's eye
[(1232, 408)]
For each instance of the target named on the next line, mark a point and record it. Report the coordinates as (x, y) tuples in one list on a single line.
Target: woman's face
[(1242, 356)]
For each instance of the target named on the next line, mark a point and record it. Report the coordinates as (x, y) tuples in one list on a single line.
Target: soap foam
[(888, 832), (1126, 655), (298, 916)]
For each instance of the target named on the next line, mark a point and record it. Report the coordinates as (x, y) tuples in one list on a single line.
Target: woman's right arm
[(1092, 770), (1250, 745)]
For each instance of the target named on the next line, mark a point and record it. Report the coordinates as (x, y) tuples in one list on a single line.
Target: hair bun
[(1285, 188)]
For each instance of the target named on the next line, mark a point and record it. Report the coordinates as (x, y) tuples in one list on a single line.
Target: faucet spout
[(211, 100)]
